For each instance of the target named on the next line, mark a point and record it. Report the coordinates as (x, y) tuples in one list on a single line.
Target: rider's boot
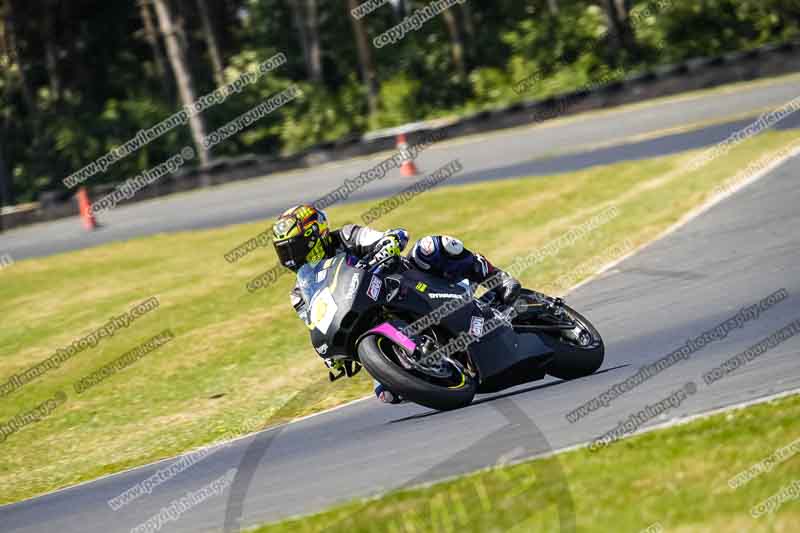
[(385, 395)]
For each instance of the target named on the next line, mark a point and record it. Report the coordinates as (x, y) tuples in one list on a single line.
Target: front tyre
[(376, 354)]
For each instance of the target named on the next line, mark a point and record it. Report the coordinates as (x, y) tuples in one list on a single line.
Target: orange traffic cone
[(84, 205), (407, 168)]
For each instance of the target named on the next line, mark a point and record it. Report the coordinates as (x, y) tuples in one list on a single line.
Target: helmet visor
[(292, 252)]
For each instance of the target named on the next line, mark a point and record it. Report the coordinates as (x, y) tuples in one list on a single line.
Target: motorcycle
[(432, 341)]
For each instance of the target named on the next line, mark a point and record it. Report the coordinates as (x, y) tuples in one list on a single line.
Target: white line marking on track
[(691, 215)]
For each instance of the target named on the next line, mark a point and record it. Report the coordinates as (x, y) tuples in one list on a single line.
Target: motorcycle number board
[(323, 309)]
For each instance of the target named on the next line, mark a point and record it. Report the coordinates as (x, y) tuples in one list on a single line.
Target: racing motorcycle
[(434, 342)]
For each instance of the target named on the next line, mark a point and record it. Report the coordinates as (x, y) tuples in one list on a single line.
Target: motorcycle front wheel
[(379, 356)]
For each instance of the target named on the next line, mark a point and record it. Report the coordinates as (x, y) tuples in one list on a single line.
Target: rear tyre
[(572, 361), (377, 358)]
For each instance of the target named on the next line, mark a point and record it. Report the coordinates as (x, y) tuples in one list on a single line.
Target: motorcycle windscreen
[(311, 278)]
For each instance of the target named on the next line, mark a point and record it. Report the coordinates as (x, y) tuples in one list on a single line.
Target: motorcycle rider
[(302, 235)]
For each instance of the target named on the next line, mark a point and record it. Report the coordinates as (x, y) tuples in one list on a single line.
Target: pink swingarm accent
[(395, 335)]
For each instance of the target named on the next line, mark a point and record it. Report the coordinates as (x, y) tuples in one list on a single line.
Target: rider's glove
[(336, 365), (336, 368), (297, 302), (509, 288), (387, 247), (342, 368)]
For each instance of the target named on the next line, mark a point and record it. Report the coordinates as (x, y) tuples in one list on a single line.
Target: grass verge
[(237, 358), (675, 478)]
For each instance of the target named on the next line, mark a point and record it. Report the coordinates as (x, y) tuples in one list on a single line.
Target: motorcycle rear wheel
[(571, 360)]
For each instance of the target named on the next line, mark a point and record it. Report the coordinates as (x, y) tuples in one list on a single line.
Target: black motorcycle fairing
[(343, 302), (503, 357), (421, 293), (337, 301), (506, 358)]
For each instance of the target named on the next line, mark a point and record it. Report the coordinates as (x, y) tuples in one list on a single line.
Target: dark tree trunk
[(314, 48), (469, 24), (209, 35), (151, 36), (621, 33), (183, 76), (365, 60), (5, 186), (51, 49), (78, 75), (456, 41), (15, 57), (300, 26), (305, 15)]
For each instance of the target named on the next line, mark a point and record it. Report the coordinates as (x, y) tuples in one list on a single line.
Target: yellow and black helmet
[(301, 235)]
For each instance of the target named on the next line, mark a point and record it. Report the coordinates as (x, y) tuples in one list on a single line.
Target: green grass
[(677, 477), (237, 358)]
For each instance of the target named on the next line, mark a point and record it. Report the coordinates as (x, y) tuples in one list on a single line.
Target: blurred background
[(82, 77)]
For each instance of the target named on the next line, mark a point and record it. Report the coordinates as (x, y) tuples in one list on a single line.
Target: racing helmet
[(301, 235)]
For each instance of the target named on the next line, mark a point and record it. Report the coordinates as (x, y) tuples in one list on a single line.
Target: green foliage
[(490, 86), (576, 33), (321, 116), (110, 86), (400, 102), (712, 27)]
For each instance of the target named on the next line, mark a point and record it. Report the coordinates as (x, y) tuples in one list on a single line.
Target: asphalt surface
[(732, 256), (506, 154)]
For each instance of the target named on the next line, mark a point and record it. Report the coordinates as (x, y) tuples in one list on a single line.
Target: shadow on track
[(519, 437), (509, 394)]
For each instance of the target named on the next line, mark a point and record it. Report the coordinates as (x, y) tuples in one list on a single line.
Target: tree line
[(80, 78)]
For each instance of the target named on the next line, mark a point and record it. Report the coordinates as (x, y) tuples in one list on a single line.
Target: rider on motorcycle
[(302, 235)]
